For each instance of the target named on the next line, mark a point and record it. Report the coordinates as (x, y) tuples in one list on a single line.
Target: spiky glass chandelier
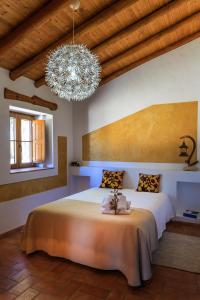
[(72, 71)]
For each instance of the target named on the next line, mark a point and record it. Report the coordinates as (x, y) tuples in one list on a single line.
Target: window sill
[(32, 169)]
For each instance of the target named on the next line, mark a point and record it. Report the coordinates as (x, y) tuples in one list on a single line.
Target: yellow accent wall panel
[(150, 135), (26, 188)]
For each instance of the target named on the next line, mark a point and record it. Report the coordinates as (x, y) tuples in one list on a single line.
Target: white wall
[(173, 77), (13, 213)]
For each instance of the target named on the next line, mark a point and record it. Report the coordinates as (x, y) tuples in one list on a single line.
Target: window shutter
[(38, 141)]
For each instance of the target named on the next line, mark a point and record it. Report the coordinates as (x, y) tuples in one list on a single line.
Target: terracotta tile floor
[(39, 276)]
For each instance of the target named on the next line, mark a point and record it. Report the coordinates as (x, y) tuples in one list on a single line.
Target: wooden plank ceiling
[(124, 33)]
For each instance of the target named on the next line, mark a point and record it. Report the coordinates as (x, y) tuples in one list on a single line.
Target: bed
[(74, 228)]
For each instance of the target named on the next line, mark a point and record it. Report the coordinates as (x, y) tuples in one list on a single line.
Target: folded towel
[(112, 212), (128, 204), (122, 203), (106, 202)]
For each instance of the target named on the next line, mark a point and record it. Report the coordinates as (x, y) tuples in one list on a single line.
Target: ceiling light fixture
[(72, 71)]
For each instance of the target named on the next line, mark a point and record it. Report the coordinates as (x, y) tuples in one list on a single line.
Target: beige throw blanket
[(78, 231)]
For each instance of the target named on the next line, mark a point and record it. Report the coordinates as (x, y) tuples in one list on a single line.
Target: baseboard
[(10, 232)]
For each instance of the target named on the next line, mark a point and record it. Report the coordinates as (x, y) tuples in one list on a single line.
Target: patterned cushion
[(112, 180), (148, 183)]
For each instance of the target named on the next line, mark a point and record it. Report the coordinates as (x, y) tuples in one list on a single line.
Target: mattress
[(158, 204)]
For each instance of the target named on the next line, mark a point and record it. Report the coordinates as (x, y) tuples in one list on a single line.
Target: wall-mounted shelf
[(178, 175), (186, 220)]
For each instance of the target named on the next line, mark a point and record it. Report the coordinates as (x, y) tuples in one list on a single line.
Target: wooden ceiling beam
[(159, 13), (135, 29), (125, 32), (27, 26), (38, 83), (187, 23), (87, 26), (134, 65)]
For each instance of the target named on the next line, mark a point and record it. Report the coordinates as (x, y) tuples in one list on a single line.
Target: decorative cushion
[(112, 179), (148, 183)]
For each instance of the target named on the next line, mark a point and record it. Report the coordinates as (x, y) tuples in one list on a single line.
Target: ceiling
[(124, 33)]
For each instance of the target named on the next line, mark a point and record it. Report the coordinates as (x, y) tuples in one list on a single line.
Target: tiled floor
[(41, 277)]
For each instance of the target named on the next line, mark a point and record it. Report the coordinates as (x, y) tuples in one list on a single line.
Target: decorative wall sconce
[(184, 149)]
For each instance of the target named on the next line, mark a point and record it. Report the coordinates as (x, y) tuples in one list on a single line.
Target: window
[(27, 140)]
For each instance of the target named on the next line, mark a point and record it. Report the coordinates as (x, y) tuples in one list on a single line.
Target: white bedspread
[(157, 203)]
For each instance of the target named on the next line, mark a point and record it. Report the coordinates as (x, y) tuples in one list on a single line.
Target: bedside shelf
[(80, 171), (186, 220)]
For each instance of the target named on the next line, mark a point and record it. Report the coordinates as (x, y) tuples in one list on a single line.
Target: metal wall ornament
[(184, 149), (72, 71)]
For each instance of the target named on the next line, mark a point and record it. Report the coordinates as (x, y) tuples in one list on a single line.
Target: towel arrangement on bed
[(123, 206)]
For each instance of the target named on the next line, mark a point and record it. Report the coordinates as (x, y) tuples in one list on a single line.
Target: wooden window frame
[(19, 117)]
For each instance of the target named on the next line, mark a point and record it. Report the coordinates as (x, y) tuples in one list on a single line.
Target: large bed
[(75, 228)]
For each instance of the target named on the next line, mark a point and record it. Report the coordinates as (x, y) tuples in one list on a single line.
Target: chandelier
[(72, 71)]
